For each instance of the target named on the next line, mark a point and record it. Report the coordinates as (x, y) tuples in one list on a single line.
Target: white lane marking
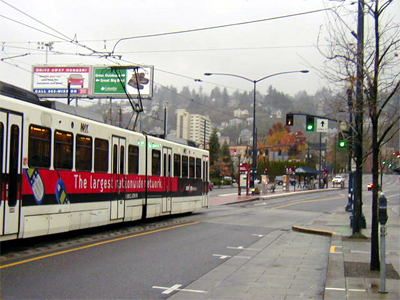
[(258, 235), (228, 256), (176, 287), (243, 248), (342, 289), (334, 289), (172, 289), (360, 252), (222, 256), (222, 195)]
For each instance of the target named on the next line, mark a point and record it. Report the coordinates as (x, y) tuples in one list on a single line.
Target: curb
[(277, 195), (313, 231)]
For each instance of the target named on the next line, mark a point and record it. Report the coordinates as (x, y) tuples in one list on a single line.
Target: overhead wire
[(62, 37), (215, 27), (68, 39), (40, 22), (31, 27)]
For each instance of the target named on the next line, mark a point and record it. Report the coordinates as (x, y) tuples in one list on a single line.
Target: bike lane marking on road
[(94, 245)]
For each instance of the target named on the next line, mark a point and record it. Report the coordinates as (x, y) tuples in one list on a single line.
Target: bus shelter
[(310, 177)]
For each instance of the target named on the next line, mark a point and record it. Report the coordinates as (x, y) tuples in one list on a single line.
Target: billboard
[(93, 81), (52, 81), (113, 82)]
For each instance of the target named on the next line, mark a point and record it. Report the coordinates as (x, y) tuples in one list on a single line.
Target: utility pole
[(165, 121)]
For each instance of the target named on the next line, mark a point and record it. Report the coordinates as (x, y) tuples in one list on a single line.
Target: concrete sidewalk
[(292, 263)]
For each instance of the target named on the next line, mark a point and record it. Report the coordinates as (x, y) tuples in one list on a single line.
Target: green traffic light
[(342, 144), (309, 123)]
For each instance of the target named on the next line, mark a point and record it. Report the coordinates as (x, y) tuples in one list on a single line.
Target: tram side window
[(83, 158), (156, 162), (165, 173), (62, 150), (177, 165), (39, 147), (198, 168), (115, 159), (122, 160), (100, 155), (133, 159), (13, 168), (191, 167), (185, 166)]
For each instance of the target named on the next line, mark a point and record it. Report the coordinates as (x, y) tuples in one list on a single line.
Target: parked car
[(338, 180), (370, 186), (279, 180)]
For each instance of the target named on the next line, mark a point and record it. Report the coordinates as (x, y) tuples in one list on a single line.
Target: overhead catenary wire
[(40, 22), (62, 37), (215, 27)]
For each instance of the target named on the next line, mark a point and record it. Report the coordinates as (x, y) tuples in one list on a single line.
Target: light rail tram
[(63, 169)]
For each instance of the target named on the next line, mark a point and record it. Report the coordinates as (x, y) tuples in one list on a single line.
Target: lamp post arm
[(280, 73), (226, 74)]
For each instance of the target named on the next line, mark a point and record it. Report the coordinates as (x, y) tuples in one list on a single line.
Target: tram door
[(204, 190), (118, 169), (167, 197), (10, 166)]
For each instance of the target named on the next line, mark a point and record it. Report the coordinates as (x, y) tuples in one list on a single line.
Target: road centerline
[(94, 245)]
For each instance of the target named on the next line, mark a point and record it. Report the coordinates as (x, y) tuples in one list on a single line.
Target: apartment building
[(194, 127)]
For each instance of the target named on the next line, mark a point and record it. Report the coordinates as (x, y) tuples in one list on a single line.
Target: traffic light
[(289, 119), (310, 123), (342, 141)]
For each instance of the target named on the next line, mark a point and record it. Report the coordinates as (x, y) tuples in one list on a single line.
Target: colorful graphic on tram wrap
[(63, 187), (36, 184)]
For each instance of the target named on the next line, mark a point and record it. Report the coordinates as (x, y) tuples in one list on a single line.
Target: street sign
[(290, 170), (244, 168), (322, 125)]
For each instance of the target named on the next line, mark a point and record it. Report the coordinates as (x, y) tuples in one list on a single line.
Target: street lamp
[(254, 165)]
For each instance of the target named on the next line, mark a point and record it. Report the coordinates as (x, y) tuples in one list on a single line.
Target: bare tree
[(376, 66), (382, 85)]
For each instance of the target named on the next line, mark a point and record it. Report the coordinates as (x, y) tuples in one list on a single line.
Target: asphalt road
[(147, 264)]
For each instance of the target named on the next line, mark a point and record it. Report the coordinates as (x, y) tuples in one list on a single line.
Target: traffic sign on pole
[(322, 125)]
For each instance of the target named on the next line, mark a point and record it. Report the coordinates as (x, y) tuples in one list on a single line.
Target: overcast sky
[(254, 50)]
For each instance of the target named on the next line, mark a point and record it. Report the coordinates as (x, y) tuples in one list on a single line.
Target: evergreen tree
[(214, 147), (226, 157)]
